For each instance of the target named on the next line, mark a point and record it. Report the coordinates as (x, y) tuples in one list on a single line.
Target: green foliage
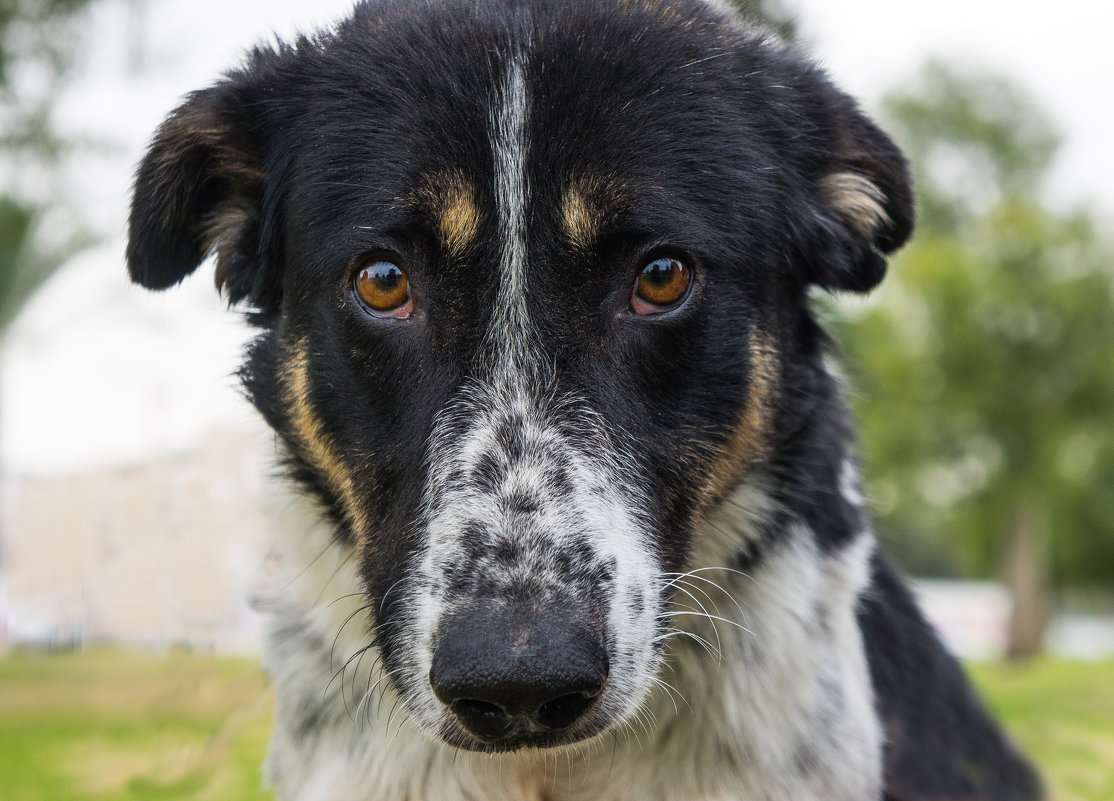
[(38, 39), (987, 384), (23, 266), (15, 225), (972, 139), (770, 13), (37, 42)]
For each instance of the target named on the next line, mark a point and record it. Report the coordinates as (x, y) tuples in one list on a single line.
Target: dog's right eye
[(383, 289), (662, 285)]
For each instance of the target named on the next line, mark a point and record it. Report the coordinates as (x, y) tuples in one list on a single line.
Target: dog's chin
[(515, 743), (455, 735)]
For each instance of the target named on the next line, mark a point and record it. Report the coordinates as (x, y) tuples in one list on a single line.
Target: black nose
[(505, 675)]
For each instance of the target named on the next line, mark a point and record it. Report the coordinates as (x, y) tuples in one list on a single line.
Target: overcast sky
[(96, 371)]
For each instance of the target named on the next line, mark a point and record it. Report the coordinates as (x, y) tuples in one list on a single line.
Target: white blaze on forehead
[(467, 513), (509, 117)]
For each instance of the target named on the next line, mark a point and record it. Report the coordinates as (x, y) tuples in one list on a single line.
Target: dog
[(577, 514)]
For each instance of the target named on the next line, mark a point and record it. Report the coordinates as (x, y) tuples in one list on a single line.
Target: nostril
[(562, 712), (516, 676), (486, 721)]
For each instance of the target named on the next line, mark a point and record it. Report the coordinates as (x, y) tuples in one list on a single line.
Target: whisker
[(694, 571), (719, 642), (383, 600), (670, 691), (707, 646), (731, 596), (341, 598), (713, 617), (357, 611), (685, 582), (367, 694)]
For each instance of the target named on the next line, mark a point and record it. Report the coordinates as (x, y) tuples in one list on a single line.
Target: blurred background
[(132, 474)]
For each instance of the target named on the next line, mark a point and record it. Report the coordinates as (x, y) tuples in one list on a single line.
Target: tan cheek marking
[(855, 198), (748, 444), (315, 444)]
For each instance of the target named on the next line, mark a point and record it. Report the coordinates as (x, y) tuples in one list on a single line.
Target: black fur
[(940, 743)]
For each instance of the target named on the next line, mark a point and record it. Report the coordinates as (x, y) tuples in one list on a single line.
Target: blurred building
[(157, 554)]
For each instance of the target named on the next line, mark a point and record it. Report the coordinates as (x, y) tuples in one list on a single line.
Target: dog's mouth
[(484, 727), (493, 723)]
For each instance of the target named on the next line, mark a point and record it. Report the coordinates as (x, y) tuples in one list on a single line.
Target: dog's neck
[(765, 694)]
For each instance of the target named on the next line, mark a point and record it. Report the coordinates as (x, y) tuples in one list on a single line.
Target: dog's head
[(532, 279)]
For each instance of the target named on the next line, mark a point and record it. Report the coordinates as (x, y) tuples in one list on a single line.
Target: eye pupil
[(386, 275), (383, 289), (662, 284), (660, 272)]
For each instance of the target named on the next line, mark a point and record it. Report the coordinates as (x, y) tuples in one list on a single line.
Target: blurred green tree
[(986, 360), (15, 225), (771, 13), (37, 43)]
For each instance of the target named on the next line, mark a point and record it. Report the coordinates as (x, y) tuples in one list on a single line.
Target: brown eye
[(383, 289), (662, 284)]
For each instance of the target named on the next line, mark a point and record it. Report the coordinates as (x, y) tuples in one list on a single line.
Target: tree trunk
[(1027, 573)]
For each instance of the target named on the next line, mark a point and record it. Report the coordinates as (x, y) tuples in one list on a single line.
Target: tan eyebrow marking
[(452, 200), (584, 206), (577, 219)]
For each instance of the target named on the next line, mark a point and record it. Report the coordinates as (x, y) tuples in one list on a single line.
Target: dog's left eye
[(383, 289), (661, 286)]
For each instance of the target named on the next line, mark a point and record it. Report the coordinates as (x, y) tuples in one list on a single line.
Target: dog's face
[(532, 281)]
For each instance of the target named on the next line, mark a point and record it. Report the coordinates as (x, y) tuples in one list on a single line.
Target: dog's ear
[(863, 193), (199, 190)]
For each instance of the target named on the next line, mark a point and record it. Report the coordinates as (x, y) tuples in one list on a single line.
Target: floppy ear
[(199, 190), (864, 196)]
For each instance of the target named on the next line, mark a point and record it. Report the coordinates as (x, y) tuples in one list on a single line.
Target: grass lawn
[(1061, 713), (112, 726)]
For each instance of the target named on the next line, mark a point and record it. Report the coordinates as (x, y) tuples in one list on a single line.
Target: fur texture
[(553, 542)]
